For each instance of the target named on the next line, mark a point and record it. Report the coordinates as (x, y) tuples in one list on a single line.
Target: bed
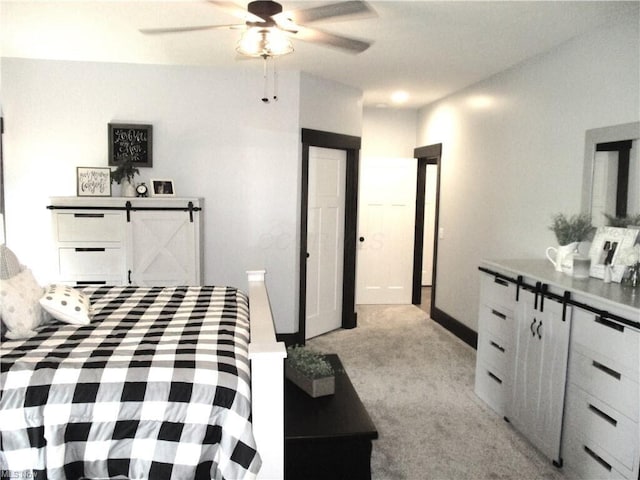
[(164, 382)]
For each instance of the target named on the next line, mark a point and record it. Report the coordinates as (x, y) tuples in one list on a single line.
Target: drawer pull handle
[(81, 283), (499, 314), (499, 281), (90, 249), (608, 323), (494, 377), (603, 415), (88, 215), (597, 458), (495, 345), (607, 370)]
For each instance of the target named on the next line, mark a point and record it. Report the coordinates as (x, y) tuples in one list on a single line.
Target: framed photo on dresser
[(607, 244), (162, 188)]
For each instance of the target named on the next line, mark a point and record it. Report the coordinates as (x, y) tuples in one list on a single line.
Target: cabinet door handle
[(538, 330), (496, 346), (597, 458), (84, 283), (531, 327), (91, 249), (129, 277), (603, 415), (88, 215), (499, 281), (607, 370)]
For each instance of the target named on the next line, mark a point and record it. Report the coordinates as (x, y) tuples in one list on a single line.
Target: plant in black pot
[(309, 370), (123, 175)]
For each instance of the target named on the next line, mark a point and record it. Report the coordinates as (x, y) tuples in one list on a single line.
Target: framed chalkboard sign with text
[(130, 142)]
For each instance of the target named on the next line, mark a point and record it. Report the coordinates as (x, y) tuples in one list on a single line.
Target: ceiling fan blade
[(330, 11), (352, 45), (236, 10), (154, 31)]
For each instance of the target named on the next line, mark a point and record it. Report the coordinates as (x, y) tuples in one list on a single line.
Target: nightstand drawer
[(598, 376), (497, 292), (612, 340), (76, 263), (89, 227), (603, 426)]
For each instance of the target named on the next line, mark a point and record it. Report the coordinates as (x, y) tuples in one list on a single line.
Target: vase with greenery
[(623, 222), (310, 371), (123, 175), (576, 228), (570, 231)]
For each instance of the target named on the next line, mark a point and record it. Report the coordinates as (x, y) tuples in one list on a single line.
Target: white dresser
[(585, 375), (127, 241)]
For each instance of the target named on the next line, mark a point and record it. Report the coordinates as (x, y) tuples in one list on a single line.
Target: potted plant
[(623, 222), (123, 175), (570, 231), (310, 371)]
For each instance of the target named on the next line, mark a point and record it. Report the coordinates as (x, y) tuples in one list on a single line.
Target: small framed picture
[(93, 182), (607, 244), (162, 188)]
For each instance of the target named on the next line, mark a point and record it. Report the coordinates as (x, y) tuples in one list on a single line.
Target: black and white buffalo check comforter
[(156, 387)]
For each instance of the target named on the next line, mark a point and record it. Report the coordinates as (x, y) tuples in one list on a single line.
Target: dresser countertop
[(615, 294)]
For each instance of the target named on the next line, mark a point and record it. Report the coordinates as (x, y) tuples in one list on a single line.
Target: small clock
[(142, 190)]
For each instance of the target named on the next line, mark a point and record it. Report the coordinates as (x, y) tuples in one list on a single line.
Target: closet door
[(163, 248)]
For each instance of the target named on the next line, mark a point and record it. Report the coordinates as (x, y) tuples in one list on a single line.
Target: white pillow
[(21, 312), (67, 304)]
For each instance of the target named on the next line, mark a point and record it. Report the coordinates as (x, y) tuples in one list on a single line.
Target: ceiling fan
[(267, 28)]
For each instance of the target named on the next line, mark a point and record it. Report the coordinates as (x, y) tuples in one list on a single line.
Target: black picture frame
[(130, 140)]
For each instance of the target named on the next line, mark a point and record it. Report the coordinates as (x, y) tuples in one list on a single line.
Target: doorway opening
[(428, 155), (351, 145)]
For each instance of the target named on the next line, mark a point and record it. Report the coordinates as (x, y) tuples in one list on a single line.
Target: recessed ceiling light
[(399, 96)]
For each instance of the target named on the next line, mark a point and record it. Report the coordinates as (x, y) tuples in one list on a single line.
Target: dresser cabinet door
[(163, 248), (542, 345)]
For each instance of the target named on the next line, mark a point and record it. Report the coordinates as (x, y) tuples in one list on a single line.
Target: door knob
[(361, 239)]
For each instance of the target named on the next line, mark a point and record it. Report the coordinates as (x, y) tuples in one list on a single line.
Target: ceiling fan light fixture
[(264, 42)]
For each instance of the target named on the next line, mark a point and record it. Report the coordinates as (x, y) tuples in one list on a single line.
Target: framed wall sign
[(162, 188), (131, 142), (93, 182)]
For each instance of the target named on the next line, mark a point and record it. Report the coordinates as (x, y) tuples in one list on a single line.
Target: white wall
[(389, 132), (212, 135), (512, 152)]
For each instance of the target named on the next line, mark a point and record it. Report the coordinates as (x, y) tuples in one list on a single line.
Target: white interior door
[(386, 230), (429, 224), (325, 240)]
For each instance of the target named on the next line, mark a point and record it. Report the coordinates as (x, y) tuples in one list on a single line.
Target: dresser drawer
[(596, 376), (497, 320), (89, 227), (603, 426), (612, 340), (492, 387), (497, 292), (588, 461), (495, 352), (77, 263)]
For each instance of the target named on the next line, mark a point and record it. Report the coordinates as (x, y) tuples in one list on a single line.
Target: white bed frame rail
[(267, 380)]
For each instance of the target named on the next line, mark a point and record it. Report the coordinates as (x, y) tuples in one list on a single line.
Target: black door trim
[(351, 144), (428, 155)]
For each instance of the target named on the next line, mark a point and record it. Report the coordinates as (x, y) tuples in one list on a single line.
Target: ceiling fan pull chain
[(265, 97), (275, 80)]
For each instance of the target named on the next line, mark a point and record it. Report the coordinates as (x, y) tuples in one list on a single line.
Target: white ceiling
[(427, 48)]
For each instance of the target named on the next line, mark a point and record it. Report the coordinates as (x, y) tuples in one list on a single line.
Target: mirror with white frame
[(611, 177)]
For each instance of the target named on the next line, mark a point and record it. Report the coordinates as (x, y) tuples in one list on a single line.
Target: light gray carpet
[(416, 380)]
